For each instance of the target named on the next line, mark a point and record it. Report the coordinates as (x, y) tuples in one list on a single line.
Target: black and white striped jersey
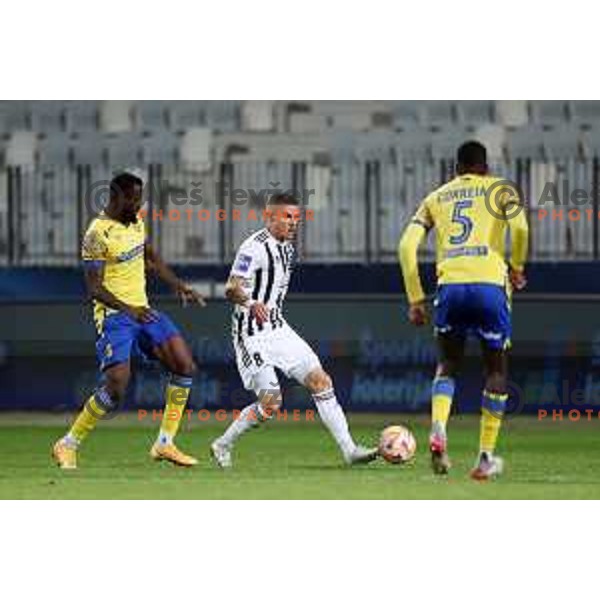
[(265, 266)]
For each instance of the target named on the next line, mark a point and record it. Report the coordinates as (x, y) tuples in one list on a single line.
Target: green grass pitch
[(296, 461)]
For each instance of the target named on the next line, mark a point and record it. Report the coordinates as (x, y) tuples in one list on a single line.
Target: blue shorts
[(481, 309), (122, 337)]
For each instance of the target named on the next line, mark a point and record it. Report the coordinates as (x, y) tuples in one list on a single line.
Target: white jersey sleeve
[(249, 259)]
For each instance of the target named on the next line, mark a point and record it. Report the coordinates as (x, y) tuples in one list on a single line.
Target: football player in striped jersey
[(263, 340)]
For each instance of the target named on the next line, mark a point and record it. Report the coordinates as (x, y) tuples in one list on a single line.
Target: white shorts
[(258, 356)]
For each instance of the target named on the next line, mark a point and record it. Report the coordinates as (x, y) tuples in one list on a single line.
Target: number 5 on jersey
[(459, 217)]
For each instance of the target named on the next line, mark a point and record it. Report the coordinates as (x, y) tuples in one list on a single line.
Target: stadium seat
[(375, 145), (299, 122), (445, 143), (562, 142), (3, 145), (343, 146), (257, 115), (13, 116), (81, 115), (356, 122), (407, 113), (160, 148), (511, 113), (222, 115), (396, 205), (55, 149), (591, 141), (123, 150), (492, 137), (412, 145), (338, 228), (115, 116), (525, 142), (195, 148), (47, 116), (475, 112), (585, 113), (88, 149), (21, 149), (149, 115), (185, 114), (439, 114), (548, 112)]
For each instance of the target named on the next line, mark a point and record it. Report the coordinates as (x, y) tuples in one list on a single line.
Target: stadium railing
[(358, 208)]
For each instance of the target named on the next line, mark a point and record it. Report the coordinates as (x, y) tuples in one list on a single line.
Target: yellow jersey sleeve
[(408, 248), (423, 215), (94, 247)]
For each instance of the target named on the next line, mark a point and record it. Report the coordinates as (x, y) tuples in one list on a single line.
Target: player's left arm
[(155, 264), (519, 236), (411, 239)]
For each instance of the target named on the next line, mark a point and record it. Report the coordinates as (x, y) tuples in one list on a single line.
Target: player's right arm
[(94, 253), (244, 267), (408, 247)]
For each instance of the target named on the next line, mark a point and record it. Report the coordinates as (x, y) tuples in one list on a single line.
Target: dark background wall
[(379, 362)]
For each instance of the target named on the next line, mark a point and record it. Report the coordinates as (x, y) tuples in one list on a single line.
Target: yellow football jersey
[(470, 236), (121, 248), (470, 215)]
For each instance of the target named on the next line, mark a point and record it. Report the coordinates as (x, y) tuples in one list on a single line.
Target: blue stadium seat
[(375, 145), (525, 142), (223, 115), (81, 115), (55, 149), (445, 143), (591, 141), (88, 149), (123, 149), (149, 115), (407, 113), (412, 145), (585, 112), (475, 112), (439, 113), (185, 114), (342, 146), (562, 142), (160, 148), (47, 116), (13, 116), (548, 112)]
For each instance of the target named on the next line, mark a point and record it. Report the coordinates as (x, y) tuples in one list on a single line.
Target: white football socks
[(250, 417), (333, 417)]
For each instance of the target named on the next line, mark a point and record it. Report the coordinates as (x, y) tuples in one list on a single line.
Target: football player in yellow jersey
[(116, 257), (471, 215)]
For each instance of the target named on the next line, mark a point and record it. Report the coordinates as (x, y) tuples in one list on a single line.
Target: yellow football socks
[(442, 392), (177, 393), (98, 404), (492, 411)]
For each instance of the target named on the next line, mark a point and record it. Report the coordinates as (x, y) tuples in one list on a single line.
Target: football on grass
[(397, 444)]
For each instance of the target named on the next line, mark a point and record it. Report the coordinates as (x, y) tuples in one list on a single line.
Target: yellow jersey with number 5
[(468, 215)]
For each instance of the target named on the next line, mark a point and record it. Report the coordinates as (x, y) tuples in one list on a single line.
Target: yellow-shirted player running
[(471, 215), (116, 257)]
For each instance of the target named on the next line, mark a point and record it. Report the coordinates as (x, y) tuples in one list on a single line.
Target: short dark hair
[(282, 200), (124, 183), (471, 154)]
